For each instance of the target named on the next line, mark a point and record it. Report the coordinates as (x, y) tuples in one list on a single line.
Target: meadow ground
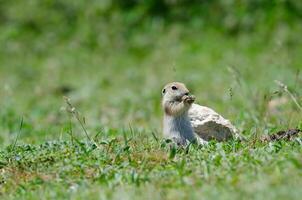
[(115, 86)]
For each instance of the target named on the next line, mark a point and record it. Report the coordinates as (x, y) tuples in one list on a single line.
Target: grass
[(141, 167), (114, 83)]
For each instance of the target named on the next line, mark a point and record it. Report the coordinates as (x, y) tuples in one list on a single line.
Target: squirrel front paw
[(188, 99)]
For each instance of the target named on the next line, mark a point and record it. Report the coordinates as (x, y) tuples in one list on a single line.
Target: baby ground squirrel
[(176, 102)]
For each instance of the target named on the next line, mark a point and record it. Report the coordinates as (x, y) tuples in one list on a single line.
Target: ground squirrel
[(176, 102), (185, 121)]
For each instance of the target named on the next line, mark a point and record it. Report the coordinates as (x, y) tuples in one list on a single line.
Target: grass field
[(114, 83)]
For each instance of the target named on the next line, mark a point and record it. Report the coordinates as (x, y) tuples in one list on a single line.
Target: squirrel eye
[(174, 87)]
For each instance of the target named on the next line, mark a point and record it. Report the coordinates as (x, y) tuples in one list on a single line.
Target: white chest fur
[(178, 128)]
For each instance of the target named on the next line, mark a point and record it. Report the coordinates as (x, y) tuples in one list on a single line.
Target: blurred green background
[(112, 57)]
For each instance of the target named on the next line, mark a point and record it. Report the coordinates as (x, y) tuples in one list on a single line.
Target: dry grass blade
[(17, 137), (285, 89), (71, 109)]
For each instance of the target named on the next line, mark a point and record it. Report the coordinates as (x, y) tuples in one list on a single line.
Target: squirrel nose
[(187, 93)]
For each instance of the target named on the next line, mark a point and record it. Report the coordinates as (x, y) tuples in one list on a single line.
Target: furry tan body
[(186, 121)]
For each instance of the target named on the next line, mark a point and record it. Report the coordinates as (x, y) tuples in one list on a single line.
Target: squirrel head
[(174, 91)]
